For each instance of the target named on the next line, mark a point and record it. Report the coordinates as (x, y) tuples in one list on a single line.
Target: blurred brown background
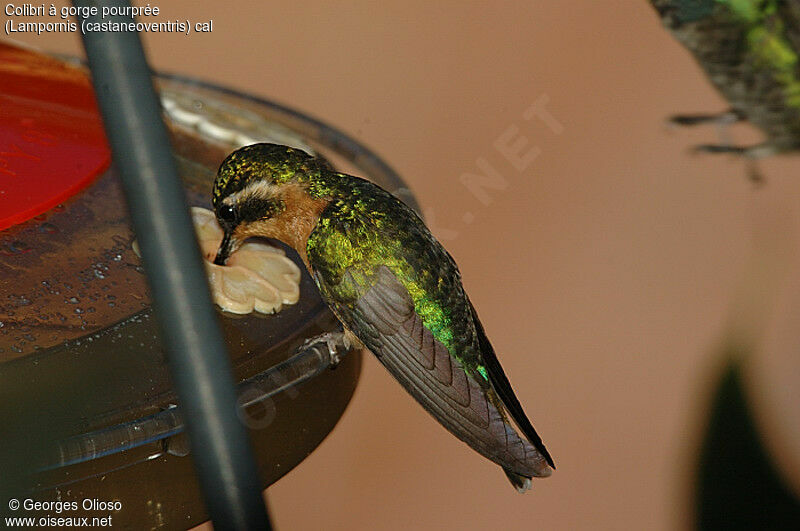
[(605, 271)]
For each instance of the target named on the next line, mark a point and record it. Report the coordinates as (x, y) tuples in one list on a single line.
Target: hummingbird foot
[(720, 148), (751, 153), (722, 119), (333, 344)]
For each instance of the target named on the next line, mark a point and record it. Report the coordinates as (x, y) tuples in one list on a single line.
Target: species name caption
[(95, 19)]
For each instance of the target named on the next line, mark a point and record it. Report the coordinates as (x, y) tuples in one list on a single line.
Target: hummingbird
[(393, 287), (749, 51)]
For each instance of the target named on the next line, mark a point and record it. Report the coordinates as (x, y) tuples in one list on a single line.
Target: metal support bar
[(199, 365)]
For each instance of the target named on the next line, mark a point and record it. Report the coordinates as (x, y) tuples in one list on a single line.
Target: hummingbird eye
[(226, 213)]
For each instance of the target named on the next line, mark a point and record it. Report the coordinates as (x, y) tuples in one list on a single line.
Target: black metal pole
[(199, 365)]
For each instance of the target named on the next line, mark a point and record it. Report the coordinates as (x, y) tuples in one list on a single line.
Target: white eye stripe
[(254, 190)]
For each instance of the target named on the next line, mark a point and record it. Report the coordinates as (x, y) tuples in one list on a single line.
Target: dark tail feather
[(520, 482), (502, 387)]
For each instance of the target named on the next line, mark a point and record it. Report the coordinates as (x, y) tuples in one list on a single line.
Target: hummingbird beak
[(226, 248)]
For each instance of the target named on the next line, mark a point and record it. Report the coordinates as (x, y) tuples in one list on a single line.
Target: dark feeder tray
[(79, 343)]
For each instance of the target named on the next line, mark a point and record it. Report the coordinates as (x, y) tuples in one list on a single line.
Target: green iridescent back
[(365, 227)]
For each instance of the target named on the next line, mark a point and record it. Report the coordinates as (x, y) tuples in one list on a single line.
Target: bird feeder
[(88, 408)]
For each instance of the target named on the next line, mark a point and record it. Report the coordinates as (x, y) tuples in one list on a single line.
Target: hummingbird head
[(263, 190)]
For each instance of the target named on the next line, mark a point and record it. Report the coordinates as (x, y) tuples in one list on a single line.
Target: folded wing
[(384, 319)]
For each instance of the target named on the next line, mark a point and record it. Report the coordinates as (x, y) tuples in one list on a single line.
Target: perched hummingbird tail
[(520, 482)]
